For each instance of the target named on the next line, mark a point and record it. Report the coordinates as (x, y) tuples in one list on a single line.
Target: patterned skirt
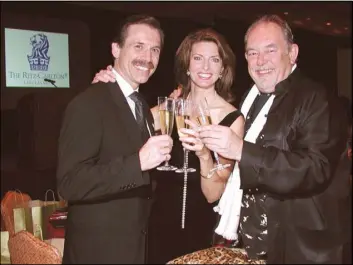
[(216, 255)]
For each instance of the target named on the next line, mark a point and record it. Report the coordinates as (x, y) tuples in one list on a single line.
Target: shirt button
[(143, 231)]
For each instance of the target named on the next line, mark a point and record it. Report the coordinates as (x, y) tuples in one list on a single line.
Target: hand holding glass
[(183, 111), (204, 118)]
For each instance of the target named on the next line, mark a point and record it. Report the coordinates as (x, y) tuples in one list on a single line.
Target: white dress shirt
[(127, 90)]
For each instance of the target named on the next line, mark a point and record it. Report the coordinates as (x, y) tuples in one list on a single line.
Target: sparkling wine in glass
[(204, 118), (183, 111), (166, 109)]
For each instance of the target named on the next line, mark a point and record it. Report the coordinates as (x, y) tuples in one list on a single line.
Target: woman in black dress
[(204, 67)]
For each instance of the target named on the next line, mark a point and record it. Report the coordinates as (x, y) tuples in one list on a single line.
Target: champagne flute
[(183, 109), (166, 109), (204, 118)]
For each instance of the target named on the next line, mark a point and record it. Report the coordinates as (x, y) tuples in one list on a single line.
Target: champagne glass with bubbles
[(183, 111), (166, 109), (204, 118)]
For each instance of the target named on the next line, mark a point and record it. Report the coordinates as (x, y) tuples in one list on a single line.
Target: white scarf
[(230, 203)]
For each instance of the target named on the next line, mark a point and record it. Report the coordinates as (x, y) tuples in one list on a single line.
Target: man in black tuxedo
[(295, 204), (106, 149)]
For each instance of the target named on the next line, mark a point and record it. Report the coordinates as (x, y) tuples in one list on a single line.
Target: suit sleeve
[(306, 168), (80, 174)]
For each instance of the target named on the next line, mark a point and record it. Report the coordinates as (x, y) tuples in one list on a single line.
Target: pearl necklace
[(185, 188), (183, 210)]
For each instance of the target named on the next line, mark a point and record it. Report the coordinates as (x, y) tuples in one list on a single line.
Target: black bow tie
[(265, 94)]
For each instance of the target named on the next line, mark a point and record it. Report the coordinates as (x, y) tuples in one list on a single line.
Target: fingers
[(110, 76), (213, 128), (162, 144), (192, 124), (179, 91), (165, 150), (213, 131), (192, 147), (163, 139), (172, 95), (167, 157), (189, 147), (211, 143), (189, 132), (190, 140), (206, 132), (176, 93), (104, 76), (192, 143), (156, 150)]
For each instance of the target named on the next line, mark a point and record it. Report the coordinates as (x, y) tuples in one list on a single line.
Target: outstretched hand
[(105, 76)]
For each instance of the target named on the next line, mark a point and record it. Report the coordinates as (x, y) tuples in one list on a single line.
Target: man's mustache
[(143, 63)]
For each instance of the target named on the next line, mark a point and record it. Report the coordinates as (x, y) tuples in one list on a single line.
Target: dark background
[(30, 123)]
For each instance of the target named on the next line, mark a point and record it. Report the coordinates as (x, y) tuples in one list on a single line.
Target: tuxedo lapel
[(276, 102), (282, 89), (126, 117)]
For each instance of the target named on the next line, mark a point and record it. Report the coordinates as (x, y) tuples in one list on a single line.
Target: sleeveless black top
[(200, 219), (230, 118)]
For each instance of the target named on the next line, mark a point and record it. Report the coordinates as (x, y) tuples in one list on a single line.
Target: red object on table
[(56, 224)]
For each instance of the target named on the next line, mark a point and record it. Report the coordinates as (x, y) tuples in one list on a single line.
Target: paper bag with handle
[(35, 213), (5, 254)]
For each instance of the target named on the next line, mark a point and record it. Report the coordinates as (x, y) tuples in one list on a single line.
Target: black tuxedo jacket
[(294, 162), (99, 174)]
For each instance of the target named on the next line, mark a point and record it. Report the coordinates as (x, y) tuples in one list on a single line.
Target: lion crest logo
[(39, 59)]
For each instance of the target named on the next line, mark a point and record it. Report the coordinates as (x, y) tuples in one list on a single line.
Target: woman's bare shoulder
[(226, 109)]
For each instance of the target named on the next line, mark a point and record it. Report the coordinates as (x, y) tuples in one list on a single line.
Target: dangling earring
[(220, 75), (187, 72)]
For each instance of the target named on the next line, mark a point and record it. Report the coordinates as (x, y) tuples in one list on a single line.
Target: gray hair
[(287, 32)]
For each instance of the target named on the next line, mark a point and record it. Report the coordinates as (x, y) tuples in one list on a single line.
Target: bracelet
[(209, 176)]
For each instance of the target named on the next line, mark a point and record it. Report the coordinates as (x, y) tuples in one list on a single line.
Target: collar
[(283, 85), (124, 85)]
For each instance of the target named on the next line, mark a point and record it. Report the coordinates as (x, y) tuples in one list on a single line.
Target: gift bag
[(5, 254), (12, 199), (33, 216)]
